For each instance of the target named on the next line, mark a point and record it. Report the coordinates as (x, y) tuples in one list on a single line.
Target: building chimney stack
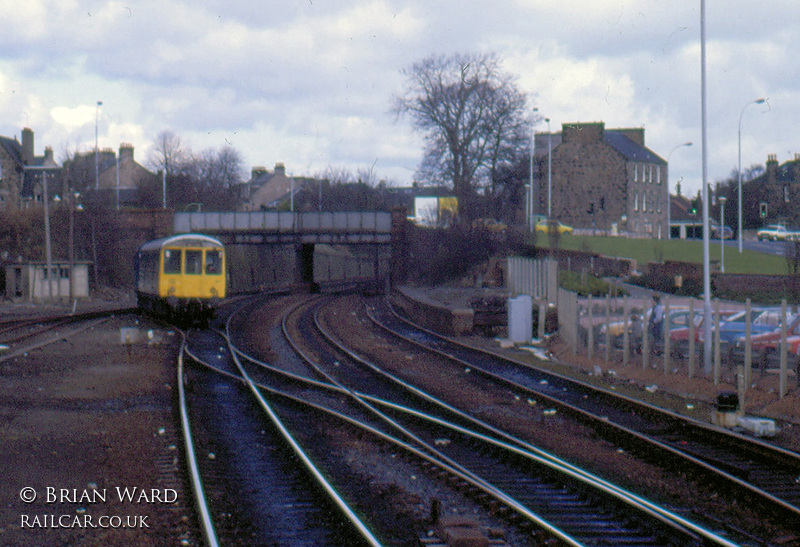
[(772, 168), (27, 145), (126, 152)]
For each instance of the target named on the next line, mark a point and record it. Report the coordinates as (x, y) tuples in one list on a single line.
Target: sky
[(310, 83)]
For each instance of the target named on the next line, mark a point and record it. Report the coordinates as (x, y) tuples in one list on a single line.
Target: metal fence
[(745, 340), (535, 277)]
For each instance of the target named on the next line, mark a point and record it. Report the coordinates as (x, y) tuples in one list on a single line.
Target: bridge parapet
[(261, 227)]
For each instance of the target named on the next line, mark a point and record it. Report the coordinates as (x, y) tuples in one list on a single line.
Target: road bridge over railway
[(259, 241), (260, 227)]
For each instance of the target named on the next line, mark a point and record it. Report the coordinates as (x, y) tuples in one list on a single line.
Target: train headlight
[(214, 292)]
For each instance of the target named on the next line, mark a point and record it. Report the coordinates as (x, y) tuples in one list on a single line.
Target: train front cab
[(192, 280)]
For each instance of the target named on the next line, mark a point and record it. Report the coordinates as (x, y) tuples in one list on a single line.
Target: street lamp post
[(73, 198), (96, 148), (47, 246), (669, 198), (739, 232), (529, 193), (722, 200), (549, 171), (706, 259)]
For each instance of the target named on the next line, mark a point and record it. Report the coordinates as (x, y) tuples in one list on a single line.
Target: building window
[(658, 175), (635, 201), (644, 202), (650, 173), (635, 172)]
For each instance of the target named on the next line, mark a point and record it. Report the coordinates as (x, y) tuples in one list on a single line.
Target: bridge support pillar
[(304, 269)]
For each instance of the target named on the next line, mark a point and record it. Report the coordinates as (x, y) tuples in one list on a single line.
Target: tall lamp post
[(669, 198), (549, 171), (706, 259), (96, 147), (739, 233), (530, 195), (47, 247), (722, 200)]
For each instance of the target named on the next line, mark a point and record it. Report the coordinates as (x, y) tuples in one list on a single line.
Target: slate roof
[(785, 173), (629, 149), (13, 148)]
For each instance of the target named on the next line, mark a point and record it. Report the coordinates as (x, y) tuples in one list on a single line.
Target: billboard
[(435, 211)]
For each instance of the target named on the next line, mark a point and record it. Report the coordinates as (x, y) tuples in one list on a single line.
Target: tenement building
[(602, 179)]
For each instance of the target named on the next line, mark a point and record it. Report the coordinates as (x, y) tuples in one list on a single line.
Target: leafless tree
[(472, 115), (168, 153)]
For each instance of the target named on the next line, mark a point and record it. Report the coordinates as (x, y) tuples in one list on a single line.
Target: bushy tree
[(473, 118)]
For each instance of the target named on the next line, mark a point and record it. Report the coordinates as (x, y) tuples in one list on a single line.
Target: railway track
[(250, 485), (541, 493), (20, 336), (740, 468)]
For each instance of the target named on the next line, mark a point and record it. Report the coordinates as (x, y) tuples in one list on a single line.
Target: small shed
[(29, 280)]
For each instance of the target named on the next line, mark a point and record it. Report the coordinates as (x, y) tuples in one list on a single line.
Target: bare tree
[(168, 154), (472, 115)]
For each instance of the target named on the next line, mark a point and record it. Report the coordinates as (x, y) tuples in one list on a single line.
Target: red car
[(679, 338), (767, 345)]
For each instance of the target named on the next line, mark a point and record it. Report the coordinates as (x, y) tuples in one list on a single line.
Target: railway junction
[(91, 427)]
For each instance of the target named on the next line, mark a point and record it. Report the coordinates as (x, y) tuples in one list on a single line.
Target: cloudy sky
[(310, 82)]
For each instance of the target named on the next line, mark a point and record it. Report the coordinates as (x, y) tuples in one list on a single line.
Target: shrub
[(585, 284)]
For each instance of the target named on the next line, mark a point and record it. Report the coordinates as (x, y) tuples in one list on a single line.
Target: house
[(23, 174), (107, 179), (271, 190), (772, 197), (602, 179)]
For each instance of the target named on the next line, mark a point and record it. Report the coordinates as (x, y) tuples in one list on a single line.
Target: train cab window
[(213, 262), (172, 261), (194, 262)]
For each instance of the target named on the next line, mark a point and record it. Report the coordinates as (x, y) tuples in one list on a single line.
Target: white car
[(776, 232)]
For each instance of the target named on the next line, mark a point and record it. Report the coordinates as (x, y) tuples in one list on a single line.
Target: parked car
[(494, 226), (766, 345), (776, 232), (678, 318), (546, 226), (679, 338), (725, 232), (761, 320)]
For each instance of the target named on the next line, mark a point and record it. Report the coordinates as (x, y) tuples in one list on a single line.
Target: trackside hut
[(29, 281)]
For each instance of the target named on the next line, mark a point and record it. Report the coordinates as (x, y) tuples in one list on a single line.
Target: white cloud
[(311, 83)]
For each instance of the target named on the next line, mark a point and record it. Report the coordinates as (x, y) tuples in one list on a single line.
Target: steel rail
[(300, 453), (548, 460), (778, 502), (209, 534), (520, 446), (416, 451)]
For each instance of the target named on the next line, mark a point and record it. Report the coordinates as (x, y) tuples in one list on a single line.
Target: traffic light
[(762, 211)]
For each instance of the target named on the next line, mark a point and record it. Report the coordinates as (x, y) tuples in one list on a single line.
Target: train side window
[(213, 262), (194, 262), (172, 261)]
